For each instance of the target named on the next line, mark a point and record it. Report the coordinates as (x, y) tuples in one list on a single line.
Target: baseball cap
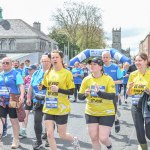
[(32, 67), (97, 61)]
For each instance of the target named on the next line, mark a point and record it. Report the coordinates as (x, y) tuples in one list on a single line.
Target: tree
[(62, 39), (82, 24), (67, 20)]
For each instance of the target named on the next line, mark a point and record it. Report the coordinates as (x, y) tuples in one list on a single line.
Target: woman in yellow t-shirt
[(139, 80), (99, 90), (59, 84)]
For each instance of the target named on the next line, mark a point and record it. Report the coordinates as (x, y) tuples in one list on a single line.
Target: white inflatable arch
[(98, 52)]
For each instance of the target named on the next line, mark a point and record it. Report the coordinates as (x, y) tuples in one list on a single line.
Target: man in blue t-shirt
[(16, 66), (11, 82), (114, 71), (78, 75)]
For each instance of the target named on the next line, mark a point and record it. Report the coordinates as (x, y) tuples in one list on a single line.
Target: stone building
[(21, 41), (116, 42), (144, 45)]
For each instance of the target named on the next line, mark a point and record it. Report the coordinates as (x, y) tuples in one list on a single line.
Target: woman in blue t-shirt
[(34, 93)]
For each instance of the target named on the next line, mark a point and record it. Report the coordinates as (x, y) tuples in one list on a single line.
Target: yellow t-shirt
[(140, 82), (64, 80), (95, 105)]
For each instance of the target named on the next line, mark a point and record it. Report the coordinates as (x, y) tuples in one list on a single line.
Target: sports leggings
[(76, 90), (124, 91), (38, 117), (138, 120)]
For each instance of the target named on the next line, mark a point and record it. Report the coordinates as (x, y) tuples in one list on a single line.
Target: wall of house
[(144, 46)]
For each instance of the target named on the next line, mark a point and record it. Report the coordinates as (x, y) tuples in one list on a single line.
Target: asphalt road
[(124, 140)]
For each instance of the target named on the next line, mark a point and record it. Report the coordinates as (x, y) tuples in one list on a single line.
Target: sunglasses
[(45, 61), (5, 63)]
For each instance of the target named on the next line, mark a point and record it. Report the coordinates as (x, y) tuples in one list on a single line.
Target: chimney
[(37, 26), (1, 17)]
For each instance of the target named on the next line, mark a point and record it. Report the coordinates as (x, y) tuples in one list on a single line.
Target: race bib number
[(51, 102)]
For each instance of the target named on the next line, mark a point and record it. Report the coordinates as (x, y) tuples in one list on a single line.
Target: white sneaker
[(1, 146), (139, 147), (15, 144), (76, 144)]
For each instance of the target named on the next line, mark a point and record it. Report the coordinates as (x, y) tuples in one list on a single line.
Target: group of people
[(46, 91)]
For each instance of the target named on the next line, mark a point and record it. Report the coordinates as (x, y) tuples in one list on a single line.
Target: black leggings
[(119, 88), (77, 88), (38, 117), (139, 125), (124, 91)]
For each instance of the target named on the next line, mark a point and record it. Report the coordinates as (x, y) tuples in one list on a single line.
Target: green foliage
[(60, 38), (80, 25)]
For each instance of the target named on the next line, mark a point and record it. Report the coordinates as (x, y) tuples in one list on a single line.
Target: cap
[(97, 61), (32, 67)]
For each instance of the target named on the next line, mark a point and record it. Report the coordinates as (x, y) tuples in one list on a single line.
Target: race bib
[(51, 102), (4, 92), (135, 99), (40, 95)]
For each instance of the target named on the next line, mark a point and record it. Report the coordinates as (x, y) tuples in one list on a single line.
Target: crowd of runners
[(45, 89)]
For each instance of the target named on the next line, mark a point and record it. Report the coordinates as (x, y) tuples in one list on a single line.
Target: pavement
[(124, 140)]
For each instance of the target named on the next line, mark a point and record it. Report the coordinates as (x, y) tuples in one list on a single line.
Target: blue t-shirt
[(21, 71), (25, 70), (11, 80), (125, 79), (36, 79), (78, 79), (114, 71)]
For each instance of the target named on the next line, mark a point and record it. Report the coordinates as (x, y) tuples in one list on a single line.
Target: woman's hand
[(87, 92), (131, 85), (147, 91), (96, 88), (54, 88)]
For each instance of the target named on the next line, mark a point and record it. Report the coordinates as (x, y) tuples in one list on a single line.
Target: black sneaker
[(125, 101), (44, 137), (46, 144), (75, 100), (4, 133), (117, 126), (37, 145)]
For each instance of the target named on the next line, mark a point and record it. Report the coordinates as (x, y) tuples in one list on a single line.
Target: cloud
[(134, 32)]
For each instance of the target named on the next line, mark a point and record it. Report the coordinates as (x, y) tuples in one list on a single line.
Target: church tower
[(116, 39)]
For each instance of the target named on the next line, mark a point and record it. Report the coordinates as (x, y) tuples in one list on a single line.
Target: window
[(11, 44), (4, 44), (42, 45), (49, 45)]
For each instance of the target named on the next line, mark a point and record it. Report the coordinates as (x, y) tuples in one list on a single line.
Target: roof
[(17, 56), (19, 28)]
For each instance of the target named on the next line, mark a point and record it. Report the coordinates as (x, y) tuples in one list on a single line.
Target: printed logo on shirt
[(112, 70), (93, 93)]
